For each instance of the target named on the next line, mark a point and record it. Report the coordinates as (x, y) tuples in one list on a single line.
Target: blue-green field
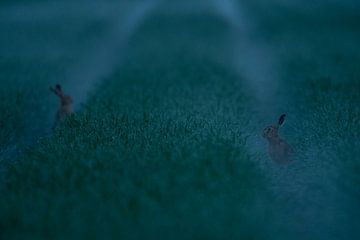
[(170, 100)]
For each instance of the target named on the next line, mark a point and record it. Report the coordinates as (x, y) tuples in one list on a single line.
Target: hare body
[(66, 105), (279, 150)]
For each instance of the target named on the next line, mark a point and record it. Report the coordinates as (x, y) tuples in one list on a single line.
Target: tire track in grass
[(258, 67), (256, 64), (101, 63), (254, 60)]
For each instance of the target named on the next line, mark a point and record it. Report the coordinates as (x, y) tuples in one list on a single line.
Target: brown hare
[(66, 105), (279, 150)]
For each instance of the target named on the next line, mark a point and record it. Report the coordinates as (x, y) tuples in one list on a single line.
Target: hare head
[(65, 99), (66, 105), (271, 132)]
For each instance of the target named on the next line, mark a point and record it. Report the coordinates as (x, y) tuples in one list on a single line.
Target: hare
[(66, 105), (279, 150)]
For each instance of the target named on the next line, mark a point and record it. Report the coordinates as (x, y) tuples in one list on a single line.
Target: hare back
[(281, 152)]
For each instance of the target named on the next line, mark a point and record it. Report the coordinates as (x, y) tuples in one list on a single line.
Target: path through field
[(107, 52)]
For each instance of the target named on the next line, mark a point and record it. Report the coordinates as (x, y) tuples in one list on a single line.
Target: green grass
[(318, 59), (38, 52), (147, 157), (163, 148)]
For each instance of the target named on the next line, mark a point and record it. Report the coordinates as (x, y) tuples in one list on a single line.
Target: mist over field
[(170, 100)]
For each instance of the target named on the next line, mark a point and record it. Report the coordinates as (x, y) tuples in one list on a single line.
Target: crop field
[(170, 101)]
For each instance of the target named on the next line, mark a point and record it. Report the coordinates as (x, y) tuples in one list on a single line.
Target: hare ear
[(58, 88), (281, 120)]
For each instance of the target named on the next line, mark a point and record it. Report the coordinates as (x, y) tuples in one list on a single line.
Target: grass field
[(166, 139)]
